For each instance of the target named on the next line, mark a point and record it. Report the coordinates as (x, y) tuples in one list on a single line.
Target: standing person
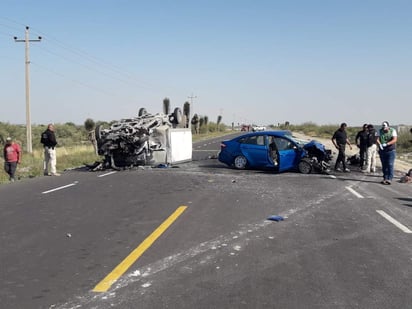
[(387, 151), (362, 143), (48, 139), (340, 139), (371, 150), (12, 157)]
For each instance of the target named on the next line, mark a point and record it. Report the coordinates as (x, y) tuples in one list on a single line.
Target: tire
[(142, 111), (240, 162), (98, 133), (177, 115), (305, 167)]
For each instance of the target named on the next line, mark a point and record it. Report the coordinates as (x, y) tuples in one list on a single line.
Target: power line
[(73, 80), (123, 76), (91, 68), (72, 54), (101, 63)]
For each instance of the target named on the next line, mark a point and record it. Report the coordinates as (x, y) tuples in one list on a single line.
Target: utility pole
[(28, 121), (191, 102), (191, 108)]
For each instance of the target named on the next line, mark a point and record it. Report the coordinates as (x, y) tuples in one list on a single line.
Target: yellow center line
[(120, 269)]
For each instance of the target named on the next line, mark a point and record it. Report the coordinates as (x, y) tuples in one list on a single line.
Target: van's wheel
[(240, 162), (305, 167), (142, 111), (177, 115), (98, 134)]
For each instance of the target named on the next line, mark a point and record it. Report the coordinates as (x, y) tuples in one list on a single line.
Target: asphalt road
[(197, 236)]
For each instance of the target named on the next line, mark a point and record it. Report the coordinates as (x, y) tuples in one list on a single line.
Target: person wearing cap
[(387, 151), (362, 143), (339, 140), (371, 150), (12, 157), (48, 139)]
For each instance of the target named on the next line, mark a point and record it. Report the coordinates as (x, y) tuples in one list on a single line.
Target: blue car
[(274, 150)]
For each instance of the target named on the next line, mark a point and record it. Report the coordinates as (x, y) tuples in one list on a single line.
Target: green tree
[(166, 106), (186, 113), (89, 124), (195, 122), (206, 123), (219, 120)]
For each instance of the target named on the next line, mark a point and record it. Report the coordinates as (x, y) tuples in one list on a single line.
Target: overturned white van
[(145, 140)]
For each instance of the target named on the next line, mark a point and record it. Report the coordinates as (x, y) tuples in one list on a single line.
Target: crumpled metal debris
[(131, 142)]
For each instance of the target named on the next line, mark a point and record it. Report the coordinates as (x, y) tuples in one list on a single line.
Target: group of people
[(12, 154), (370, 142)]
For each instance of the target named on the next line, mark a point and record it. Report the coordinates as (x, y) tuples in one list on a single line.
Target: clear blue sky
[(263, 62)]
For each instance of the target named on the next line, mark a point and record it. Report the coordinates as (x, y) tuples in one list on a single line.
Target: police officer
[(48, 139), (340, 139)]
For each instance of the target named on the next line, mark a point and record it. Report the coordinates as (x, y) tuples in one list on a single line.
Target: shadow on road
[(406, 199)]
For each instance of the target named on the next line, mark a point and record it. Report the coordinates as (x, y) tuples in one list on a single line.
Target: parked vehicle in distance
[(258, 128), (275, 150), (245, 128)]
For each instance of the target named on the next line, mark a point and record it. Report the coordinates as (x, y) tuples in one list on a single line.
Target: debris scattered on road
[(407, 178), (276, 218)]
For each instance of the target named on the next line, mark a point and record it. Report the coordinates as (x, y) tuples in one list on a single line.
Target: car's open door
[(287, 153)]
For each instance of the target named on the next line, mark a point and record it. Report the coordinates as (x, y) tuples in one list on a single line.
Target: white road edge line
[(394, 222), (59, 188), (354, 192), (107, 174)]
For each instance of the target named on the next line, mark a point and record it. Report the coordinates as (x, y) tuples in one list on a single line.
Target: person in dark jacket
[(48, 139), (371, 150), (340, 139), (362, 143)]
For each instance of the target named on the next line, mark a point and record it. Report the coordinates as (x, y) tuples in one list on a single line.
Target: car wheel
[(142, 111), (305, 167), (240, 162), (98, 134), (177, 115)]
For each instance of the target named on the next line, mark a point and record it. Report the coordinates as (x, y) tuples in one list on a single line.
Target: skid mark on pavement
[(142, 275), (231, 244)]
